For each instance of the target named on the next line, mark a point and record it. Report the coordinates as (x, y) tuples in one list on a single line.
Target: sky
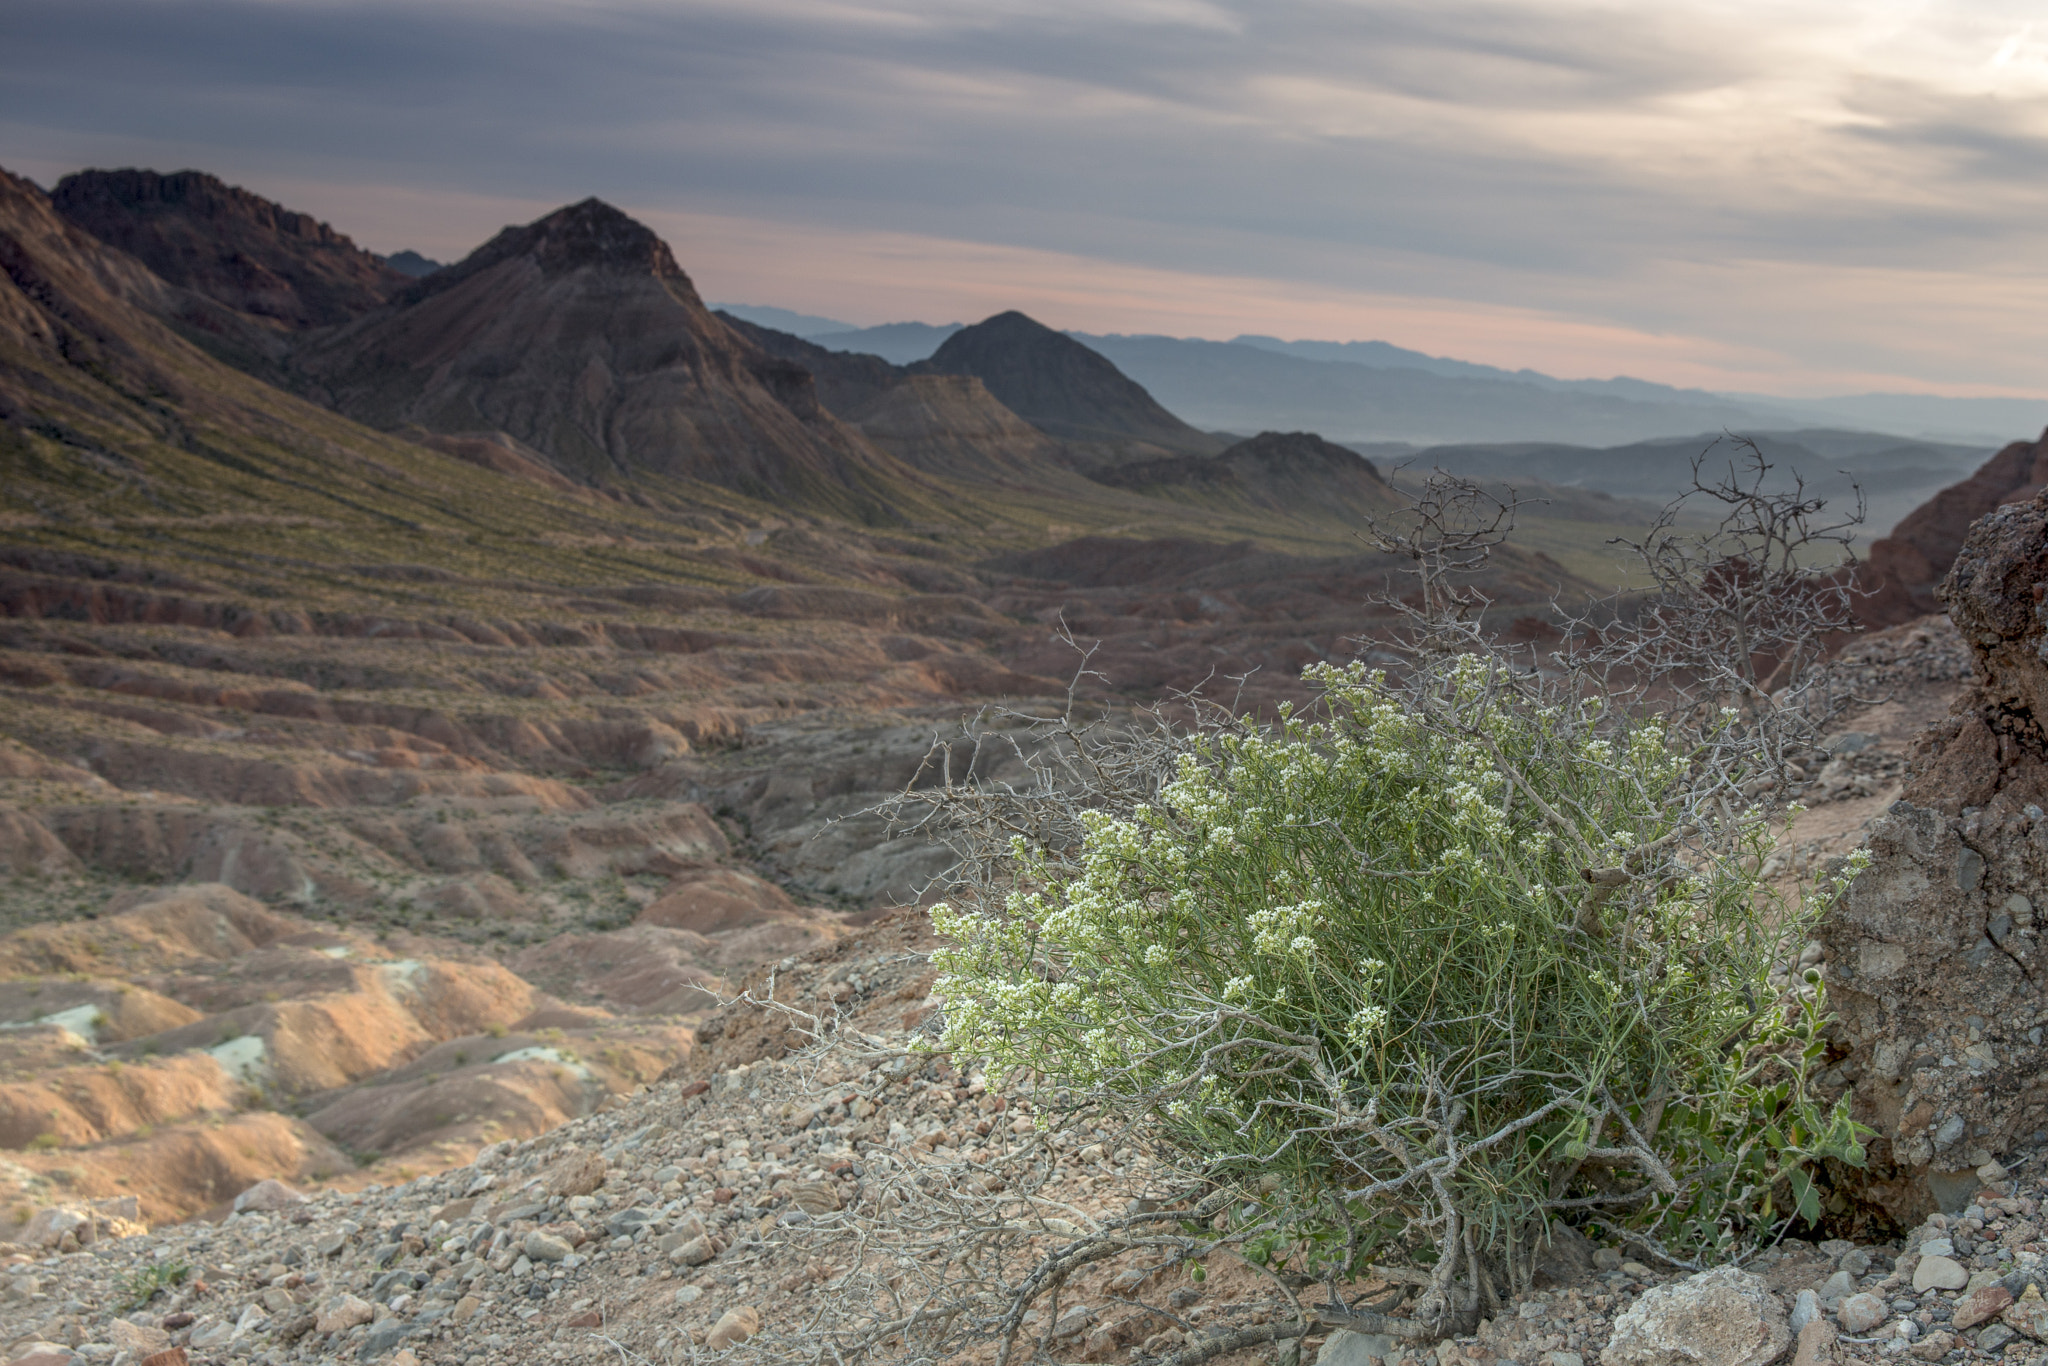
[(1796, 197)]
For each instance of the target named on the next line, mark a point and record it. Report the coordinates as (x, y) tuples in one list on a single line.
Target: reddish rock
[(1903, 569), (1980, 1306)]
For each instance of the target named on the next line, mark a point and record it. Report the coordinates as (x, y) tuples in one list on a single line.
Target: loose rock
[(734, 1325), (1723, 1317)]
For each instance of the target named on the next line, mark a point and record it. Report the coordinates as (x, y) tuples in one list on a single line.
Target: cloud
[(1785, 191)]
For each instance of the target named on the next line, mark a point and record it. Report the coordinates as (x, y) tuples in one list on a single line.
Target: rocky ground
[(509, 1147), (743, 1206)]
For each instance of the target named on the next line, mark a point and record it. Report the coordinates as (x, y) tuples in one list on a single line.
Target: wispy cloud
[(1780, 194)]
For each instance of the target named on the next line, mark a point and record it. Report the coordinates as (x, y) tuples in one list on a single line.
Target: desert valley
[(431, 697)]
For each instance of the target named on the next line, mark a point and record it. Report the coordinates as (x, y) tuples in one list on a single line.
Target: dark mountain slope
[(1060, 386), (945, 424), (239, 249), (120, 438), (1297, 474), (580, 336)]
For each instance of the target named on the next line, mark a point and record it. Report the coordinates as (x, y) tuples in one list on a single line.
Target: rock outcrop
[(1935, 961), (1903, 569)]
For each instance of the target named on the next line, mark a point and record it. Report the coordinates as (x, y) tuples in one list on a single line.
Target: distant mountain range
[(574, 351), (1893, 475), (1374, 391)]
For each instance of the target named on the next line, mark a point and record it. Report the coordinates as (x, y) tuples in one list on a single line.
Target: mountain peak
[(1062, 386), (592, 234)]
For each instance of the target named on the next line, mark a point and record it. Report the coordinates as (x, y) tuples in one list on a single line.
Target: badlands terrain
[(428, 704), (375, 793)]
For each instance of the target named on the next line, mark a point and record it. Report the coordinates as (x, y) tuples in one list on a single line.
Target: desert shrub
[(1466, 948), (143, 1284)]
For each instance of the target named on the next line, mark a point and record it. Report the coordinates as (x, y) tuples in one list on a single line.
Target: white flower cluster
[(1281, 930)]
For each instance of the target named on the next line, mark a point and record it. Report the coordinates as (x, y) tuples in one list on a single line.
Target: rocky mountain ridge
[(246, 252)]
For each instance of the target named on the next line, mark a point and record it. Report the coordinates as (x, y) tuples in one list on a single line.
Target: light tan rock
[(545, 1247), (1723, 1317), (695, 1252), (574, 1173), (1816, 1345), (267, 1197), (1862, 1312), (132, 1337), (48, 1227), (1939, 1273), (339, 1313), (734, 1325)]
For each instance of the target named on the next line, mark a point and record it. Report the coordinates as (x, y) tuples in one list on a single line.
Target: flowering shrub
[(1419, 972)]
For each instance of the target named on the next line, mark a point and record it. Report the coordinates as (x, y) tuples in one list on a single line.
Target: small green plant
[(44, 1142), (143, 1284)]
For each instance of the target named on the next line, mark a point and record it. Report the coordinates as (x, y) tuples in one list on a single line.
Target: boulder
[(267, 1197), (1939, 1273), (1723, 1317), (48, 1227), (1934, 954)]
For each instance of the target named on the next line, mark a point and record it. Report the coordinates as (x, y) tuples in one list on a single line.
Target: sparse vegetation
[(145, 1283), (1466, 948)]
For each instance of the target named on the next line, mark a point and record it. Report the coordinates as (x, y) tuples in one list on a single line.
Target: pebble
[(1836, 1288), (1939, 1273)]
